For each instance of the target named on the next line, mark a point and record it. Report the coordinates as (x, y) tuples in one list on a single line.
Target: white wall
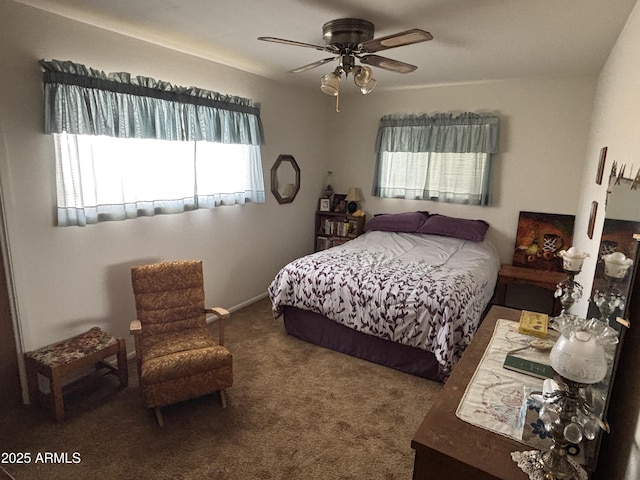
[(544, 128), (70, 278)]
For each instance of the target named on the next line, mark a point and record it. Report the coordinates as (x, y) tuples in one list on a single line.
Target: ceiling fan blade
[(313, 65), (294, 43), (387, 63), (415, 35)]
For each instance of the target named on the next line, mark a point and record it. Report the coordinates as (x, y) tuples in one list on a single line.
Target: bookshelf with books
[(334, 228)]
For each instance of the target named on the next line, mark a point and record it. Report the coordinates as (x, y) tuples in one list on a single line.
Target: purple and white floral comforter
[(425, 291)]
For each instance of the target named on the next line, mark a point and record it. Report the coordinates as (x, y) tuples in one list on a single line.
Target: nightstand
[(547, 279)]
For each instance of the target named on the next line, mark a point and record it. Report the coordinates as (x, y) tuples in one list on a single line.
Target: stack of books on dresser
[(533, 360)]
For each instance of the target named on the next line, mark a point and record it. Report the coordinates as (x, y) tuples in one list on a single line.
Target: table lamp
[(353, 197)]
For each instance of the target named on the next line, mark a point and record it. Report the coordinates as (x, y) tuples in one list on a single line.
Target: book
[(533, 323), (528, 367)]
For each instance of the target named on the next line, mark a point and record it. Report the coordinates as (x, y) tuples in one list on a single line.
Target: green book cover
[(528, 367)]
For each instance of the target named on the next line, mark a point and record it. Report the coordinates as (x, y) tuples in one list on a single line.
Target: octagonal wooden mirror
[(285, 179)]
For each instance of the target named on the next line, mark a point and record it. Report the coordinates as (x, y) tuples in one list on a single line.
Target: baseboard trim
[(248, 302)]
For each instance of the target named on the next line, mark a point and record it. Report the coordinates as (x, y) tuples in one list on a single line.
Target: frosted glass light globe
[(579, 358)]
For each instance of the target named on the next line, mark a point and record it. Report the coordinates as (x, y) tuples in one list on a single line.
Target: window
[(100, 178), (441, 158), (126, 149)]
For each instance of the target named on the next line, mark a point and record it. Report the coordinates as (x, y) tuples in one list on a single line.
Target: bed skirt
[(319, 330)]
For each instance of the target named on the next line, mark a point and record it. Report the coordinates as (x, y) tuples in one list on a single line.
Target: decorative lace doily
[(529, 463)]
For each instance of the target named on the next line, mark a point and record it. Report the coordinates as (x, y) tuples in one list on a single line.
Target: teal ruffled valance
[(439, 133), (85, 101)]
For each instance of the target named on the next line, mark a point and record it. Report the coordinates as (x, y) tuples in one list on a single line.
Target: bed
[(409, 293)]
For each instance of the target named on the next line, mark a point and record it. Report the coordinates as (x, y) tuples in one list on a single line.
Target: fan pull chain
[(338, 102)]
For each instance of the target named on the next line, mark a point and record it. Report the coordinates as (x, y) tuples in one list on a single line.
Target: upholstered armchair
[(178, 357)]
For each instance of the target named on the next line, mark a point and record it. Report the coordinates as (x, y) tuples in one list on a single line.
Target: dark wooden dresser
[(449, 448)]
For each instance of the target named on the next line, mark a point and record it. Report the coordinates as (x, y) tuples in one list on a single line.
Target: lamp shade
[(363, 76), (572, 259), (354, 195), (368, 88), (579, 358), (616, 264), (330, 84)]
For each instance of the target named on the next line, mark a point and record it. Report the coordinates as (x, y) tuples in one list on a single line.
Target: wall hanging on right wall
[(592, 218), (603, 159)]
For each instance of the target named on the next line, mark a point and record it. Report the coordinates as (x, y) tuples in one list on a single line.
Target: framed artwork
[(592, 218), (603, 159), (339, 203), (325, 205), (539, 239)]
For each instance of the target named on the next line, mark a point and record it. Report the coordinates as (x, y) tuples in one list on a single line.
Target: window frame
[(455, 143), (84, 101)]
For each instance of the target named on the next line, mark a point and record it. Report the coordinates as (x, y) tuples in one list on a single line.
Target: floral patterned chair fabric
[(178, 357)]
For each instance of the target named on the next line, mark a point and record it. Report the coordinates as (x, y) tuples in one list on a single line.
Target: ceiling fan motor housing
[(347, 32)]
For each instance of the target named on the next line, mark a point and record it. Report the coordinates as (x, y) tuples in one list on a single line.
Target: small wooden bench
[(66, 359)]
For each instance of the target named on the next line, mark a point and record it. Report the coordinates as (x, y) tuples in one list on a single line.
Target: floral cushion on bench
[(74, 348)]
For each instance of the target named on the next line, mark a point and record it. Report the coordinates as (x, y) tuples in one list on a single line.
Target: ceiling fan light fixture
[(363, 76), (330, 84), (368, 88), (351, 39)]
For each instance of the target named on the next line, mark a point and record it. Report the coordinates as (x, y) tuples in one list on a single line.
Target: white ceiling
[(474, 40)]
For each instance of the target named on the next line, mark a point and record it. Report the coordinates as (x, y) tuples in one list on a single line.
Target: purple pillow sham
[(461, 228), (408, 222)]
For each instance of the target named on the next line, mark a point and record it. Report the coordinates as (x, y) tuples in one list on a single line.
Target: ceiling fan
[(349, 39)]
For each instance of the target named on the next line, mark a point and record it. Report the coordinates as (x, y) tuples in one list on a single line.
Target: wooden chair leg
[(159, 416), (55, 383), (223, 399), (32, 382)]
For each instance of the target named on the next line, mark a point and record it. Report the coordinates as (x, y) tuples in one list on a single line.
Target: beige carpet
[(296, 411)]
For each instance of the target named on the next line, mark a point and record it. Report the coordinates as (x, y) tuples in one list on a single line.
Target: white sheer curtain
[(402, 174), (448, 177), (458, 177), (101, 178)]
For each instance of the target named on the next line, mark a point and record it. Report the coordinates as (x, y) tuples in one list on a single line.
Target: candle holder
[(608, 300), (568, 418), (616, 265), (327, 191), (579, 359), (568, 290)]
